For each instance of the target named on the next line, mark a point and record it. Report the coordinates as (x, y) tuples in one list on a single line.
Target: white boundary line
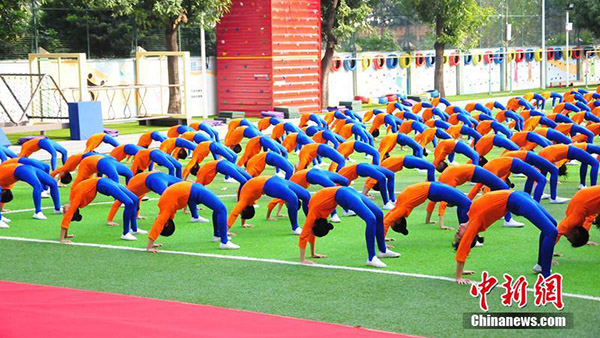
[(268, 260)]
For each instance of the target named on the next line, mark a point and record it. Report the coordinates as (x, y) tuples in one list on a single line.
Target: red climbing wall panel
[(268, 54)]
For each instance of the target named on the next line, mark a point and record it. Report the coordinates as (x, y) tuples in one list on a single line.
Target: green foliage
[(455, 22), (169, 12), (350, 16), (386, 42), (13, 18), (586, 15)]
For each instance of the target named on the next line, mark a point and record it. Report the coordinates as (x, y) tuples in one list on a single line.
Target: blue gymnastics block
[(85, 119)]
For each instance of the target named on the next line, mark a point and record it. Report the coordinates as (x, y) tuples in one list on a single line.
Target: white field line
[(272, 261)]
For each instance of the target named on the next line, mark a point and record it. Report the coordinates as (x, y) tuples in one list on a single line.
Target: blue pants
[(110, 140), (501, 129), (38, 180), (557, 136), (157, 136), (269, 144), (548, 123), (5, 153), (519, 120), (560, 118), (362, 147), (487, 178), (441, 114), (218, 150), (35, 163), (318, 120), (538, 139), (53, 147), (361, 134), (349, 199), (471, 133), (232, 170), (325, 178), (158, 182), (533, 175), (463, 148), (251, 132), (210, 131), (131, 149), (591, 117), (332, 154), (405, 140), (577, 129), (545, 167), (184, 129), (201, 136), (166, 161), (280, 163), (586, 159), (390, 120), (183, 143), (291, 193), (467, 120), (332, 137), (413, 162), (108, 187), (441, 124), (520, 203), (112, 169), (200, 195), (440, 192), (383, 176), (501, 141)]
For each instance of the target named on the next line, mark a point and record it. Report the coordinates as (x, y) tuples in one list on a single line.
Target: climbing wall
[(268, 54)]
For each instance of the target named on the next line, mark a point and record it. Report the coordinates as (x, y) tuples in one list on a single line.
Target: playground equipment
[(268, 56)]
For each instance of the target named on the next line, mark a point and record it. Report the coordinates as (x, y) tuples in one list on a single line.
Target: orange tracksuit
[(520, 139), (393, 163), (82, 196), (69, 166), (581, 211), (235, 137), (198, 155), (500, 167), (307, 154), (410, 198), (250, 192), (426, 136), (174, 198), (256, 165), (378, 121), (442, 150), (321, 206), (555, 153), (453, 176), (207, 172), (93, 142), (253, 147), (137, 185), (88, 167)]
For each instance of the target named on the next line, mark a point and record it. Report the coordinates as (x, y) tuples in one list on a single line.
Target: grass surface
[(387, 302)]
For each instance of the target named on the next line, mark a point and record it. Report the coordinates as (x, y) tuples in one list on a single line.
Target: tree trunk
[(331, 42), (325, 64), (173, 70), (438, 74)]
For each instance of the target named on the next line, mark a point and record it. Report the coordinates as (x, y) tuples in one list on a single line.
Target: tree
[(378, 43), (13, 19), (454, 22), (170, 14), (339, 19), (585, 16)]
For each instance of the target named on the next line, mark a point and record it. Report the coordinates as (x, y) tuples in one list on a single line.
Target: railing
[(26, 98)]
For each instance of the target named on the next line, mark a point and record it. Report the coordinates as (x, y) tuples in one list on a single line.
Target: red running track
[(28, 310)]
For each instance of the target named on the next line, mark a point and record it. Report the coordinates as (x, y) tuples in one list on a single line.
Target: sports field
[(415, 294)]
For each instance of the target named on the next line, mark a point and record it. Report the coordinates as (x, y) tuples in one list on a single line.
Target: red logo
[(549, 290), (516, 291), (481, 289)]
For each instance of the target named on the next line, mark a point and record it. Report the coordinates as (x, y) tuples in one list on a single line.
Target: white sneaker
[(537, 268), (145, 198), (128, 237), (138, 232), (388, 254), (478, 244), (545, 196), (230, 180), (297, 231), (348, 213), (376, 263), (40, 215), (3, 225), (519, 175), (58, 212), (280, 174), (228, 246), (422, 171), (351, 160), (6, 219), (218, 239), (200, 219), (573, 162), (580, 186), (389, 205), (45, 194), (335, 219), (454, 163), (513, 224), (559, 200)]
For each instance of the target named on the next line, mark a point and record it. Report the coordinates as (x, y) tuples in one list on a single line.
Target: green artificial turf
[(396, 303)]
